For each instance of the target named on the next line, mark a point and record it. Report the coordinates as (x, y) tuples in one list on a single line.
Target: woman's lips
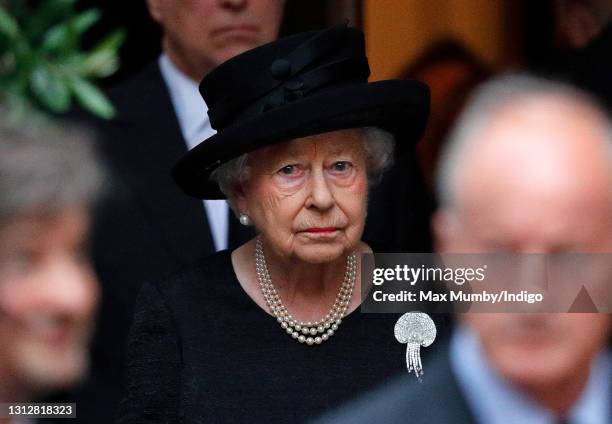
[(321, 230), (56, 337), (59, 337), (46, 330)]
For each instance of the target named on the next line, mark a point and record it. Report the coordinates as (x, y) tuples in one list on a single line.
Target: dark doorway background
[(540, 52)]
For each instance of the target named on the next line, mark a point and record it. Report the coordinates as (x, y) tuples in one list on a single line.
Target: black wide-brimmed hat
[(301, 85)]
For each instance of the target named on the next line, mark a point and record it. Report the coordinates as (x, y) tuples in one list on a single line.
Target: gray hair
[(486, 102), (45, 168), (377, 143)]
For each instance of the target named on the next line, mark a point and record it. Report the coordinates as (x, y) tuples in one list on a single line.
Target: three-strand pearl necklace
[(310, 333)]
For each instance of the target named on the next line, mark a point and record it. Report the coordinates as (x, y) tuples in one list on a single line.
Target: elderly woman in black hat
[(269, 332)]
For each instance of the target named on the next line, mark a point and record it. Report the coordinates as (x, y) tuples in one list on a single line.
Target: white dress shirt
[(494, 401), (191, 111)]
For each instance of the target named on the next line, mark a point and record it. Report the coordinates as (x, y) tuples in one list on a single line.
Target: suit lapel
[(411, 402), (445, 389), (155, 143)]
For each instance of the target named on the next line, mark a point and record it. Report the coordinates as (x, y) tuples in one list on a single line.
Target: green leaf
[(91, 98), (50, 89), (45, 15), (57, 38), (65, 36), (84, 20), (100, 64), (8, 24), (113, 41), (103, 60)]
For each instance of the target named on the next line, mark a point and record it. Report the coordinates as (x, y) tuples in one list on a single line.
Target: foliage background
[(43, 67)]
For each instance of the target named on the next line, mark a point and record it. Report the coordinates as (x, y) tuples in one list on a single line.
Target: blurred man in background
[(530, 172), (149, 228), (579, 22), (49, 179), (528, 169), (584, 31)]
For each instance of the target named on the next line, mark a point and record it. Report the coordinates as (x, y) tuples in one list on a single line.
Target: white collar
[(190, 109), (189, 106)]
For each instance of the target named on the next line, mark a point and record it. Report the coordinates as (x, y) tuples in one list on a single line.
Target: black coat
[(148, 228), (202, 351)]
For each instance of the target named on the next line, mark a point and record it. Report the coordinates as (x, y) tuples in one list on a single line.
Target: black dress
[(202, 351)]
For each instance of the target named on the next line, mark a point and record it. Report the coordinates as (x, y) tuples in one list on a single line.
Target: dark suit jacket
[(438, 400), (406, 401)]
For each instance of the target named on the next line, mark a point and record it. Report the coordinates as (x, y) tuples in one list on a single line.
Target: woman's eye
[(289, 170), (341, 166)]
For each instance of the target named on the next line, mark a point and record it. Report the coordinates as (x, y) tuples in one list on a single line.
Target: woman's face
[(48, 297), (307, 197)]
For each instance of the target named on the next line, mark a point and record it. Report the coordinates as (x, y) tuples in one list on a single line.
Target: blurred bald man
[(528, 169)]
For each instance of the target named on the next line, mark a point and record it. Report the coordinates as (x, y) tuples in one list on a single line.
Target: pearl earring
[(244, 219)]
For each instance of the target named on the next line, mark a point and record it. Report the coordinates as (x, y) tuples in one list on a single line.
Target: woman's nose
[(321, 196), (233, 4), (71, 287)]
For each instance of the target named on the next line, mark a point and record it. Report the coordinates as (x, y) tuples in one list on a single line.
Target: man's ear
[(155, 10), (446, 230)]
